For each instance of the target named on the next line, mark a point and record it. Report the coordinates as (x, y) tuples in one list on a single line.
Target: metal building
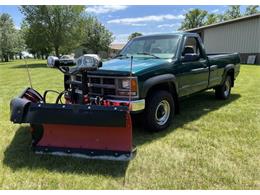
[(238, 35)]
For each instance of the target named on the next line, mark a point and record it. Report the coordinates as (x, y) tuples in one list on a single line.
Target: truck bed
[(223, 58)]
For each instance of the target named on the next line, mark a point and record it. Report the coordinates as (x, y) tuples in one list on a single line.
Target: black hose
[(59, 97), (46, 92)]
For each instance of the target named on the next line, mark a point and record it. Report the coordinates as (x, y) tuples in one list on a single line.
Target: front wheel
[(223, 91), (159, 111)]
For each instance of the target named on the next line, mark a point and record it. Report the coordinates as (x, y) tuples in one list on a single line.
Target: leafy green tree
[(95, 35), (35, 39), (232, 13), (0, 39), (7, 41), (133, 35), (212, 19), (251, 9), (54, 26), (19, 43), (194, 18)]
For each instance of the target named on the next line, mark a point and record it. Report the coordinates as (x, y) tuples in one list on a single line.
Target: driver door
[(193, 74)]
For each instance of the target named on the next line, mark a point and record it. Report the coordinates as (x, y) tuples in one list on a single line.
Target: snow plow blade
[(96, 132)]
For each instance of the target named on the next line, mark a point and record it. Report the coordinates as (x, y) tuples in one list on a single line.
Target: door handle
[(199, 70)]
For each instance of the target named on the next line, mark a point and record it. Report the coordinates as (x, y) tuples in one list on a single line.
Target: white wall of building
[(241, 36)]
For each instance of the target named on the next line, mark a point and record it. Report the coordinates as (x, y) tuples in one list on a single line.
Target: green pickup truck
[(165, 67), (148, 76)]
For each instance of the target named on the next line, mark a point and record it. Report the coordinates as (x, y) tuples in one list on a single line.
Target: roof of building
[(225, 22), (117, 46), (179, 33)]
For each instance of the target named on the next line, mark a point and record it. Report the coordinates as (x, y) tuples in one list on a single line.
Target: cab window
[(192, 46)]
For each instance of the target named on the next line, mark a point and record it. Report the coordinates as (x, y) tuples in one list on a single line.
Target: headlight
[(126, 84), (124, 87)]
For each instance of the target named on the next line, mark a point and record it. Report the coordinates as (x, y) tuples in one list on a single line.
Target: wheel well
[(231, 73), (167, 86)]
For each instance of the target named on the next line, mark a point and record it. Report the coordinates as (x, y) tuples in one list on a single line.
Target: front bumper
[(135, 105)]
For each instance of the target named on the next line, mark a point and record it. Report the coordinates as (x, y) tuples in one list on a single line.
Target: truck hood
[(139, 64)]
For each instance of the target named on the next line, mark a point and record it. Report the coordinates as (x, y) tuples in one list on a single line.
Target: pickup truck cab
[(165, 68)]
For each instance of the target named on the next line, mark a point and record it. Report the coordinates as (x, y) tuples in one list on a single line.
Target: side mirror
[(53, 62), (190, 57)]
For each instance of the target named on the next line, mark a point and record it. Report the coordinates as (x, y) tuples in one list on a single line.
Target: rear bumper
[(135, 105)]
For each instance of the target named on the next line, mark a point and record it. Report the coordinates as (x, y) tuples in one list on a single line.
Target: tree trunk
[(6, 58), (11, 56), (57, 51)]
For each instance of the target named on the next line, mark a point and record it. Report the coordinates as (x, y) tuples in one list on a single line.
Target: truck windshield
[(152, 47)]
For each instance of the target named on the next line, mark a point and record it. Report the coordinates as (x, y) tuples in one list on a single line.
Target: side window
[(192, 46)]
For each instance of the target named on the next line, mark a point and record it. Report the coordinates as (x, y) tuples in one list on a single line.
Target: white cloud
[(152, 18), (137, 24), (103, 9), (215, 11), (168, 25)]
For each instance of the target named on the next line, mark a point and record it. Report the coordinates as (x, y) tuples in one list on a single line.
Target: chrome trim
[(107, 86), (136, 105)]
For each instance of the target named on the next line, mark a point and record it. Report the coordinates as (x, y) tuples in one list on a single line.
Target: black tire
[(159, 111), (223, 91)]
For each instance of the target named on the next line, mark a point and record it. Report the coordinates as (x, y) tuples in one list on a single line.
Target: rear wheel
[(223, 91), (159, 111)]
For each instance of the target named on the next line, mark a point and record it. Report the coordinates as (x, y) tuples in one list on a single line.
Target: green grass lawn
[(212, 144)]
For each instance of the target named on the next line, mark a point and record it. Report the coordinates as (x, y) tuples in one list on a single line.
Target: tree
[(35, 39), (233, 12), (7, 41), (251, 9), (95, 36), (55, 26), (0, 39), (194, 18), (212, 19), (133, 35), (19, 43)]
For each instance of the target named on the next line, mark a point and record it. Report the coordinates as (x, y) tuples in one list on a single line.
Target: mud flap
[(97, 132)]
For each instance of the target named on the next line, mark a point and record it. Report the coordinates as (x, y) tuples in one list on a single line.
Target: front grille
[(99, 85), (96, 90), (78, 78), (108, 81), (109, 91), (105, 86), (95, 80)]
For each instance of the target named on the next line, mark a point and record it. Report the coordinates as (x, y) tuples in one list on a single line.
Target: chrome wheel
[(162, 112)]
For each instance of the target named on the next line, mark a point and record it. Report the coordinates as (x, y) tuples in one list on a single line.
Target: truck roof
[(167, 34)]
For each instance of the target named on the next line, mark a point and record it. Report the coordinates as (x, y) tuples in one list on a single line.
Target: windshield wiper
[(148, 54), (121, 55)]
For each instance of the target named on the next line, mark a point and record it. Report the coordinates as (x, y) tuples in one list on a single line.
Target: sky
[(122, 20)]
